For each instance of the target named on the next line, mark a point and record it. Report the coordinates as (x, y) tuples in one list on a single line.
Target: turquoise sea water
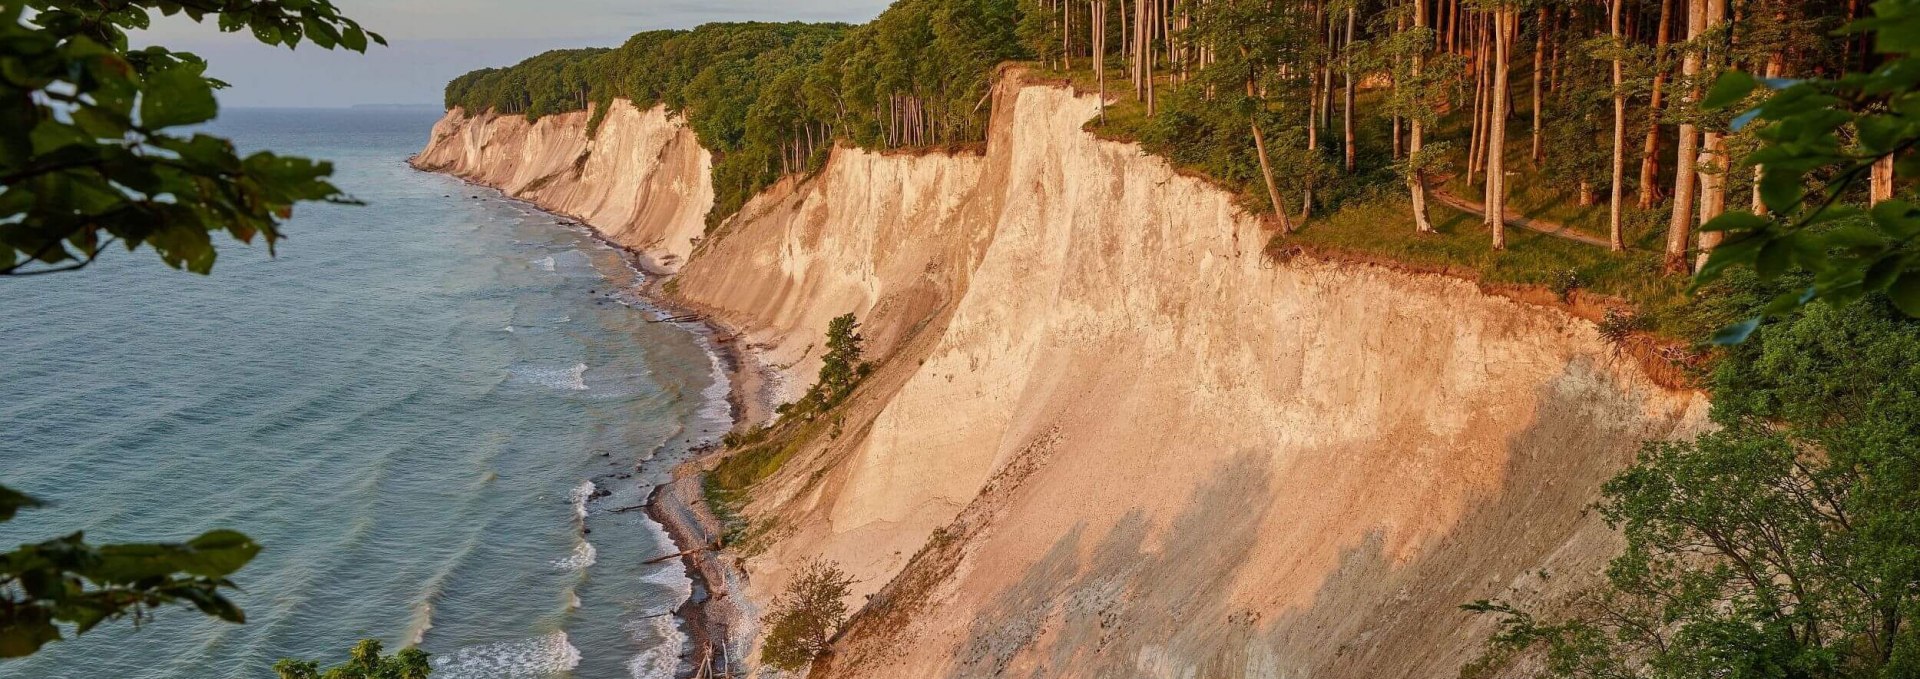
[(410, 407)]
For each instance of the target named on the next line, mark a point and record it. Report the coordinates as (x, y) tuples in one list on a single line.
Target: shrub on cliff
[(806, 616), (364, 662)]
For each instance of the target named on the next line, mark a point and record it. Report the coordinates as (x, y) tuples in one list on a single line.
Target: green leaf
[(1732, 87), (1735, 221), (1773, 259), (219, 553), (12, 501), (1729, 253), (1883, 272), (1905, 293), (1898, 218), (177, 95), (1780, 189), (25, 631), (1736, 333)]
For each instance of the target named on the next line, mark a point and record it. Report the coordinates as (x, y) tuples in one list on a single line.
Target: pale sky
[(434, 40)]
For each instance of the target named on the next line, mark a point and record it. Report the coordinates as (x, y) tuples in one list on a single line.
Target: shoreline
[(711, 615), (678, 505)]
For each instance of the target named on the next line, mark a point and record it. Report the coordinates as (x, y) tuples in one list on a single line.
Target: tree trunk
[(1476, 139), (1347, 111), (1880, 182), (1616, 241), (1650, 155), (1506, 19), (1099, 22), (1680, 226), (1539, 74), (1266, 172), (1760, 206), (1713, 159), (1416, 179)]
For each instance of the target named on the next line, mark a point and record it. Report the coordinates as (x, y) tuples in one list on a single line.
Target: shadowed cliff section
[(1108, 437)]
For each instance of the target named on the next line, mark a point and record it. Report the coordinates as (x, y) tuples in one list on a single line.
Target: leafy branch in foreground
[(1806, 125), (66, 581), (89, 155), (364, 662)]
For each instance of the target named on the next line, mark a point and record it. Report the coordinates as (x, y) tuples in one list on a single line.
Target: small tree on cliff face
[(364, 662), (842, 367), (806, 616)]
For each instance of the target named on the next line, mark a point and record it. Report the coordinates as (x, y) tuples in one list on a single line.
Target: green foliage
[(364, 662), (841, 369), (1830, 132), (89, 152), (769, 99), (68, 582), (1784, 544), (806, 616)]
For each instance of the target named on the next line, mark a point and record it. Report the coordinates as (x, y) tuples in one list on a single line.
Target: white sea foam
[(545, 263), (662, 640), (579, 496), (558, 379), (583, 555), (536, 658), (421, 621)]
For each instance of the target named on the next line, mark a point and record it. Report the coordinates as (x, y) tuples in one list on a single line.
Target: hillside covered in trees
[(1345, 99)]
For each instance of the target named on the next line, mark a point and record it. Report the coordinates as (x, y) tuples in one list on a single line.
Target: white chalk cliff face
[(642, 180), (1107, 437)]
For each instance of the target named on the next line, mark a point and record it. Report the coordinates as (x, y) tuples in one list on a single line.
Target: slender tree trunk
[(1416, 179), (1260, 147), (1760, 206), (1880, 181), (1099, 22), (1539, 75), (1680, 226), (1476, 139), (1616, 240), (1713, 158), (1650, 154), (1346, 111), (1506, 20), (1266, 173)]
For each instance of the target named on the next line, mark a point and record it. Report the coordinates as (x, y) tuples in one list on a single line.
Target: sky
[(431, 41)]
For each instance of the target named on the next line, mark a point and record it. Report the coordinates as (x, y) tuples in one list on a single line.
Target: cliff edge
[(1106, 435)]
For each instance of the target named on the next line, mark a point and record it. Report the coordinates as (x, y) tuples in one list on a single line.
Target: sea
[(438, 411)]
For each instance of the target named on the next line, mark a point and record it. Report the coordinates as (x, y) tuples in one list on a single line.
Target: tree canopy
[(770, 99)]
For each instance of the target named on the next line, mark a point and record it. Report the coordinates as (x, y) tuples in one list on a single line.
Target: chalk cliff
[(1106, 435), (642, 179)]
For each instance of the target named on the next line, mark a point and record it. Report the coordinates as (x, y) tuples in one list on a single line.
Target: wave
[(558, 379), (583, 555), (579, 496), (536, 658), (662, 640)]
